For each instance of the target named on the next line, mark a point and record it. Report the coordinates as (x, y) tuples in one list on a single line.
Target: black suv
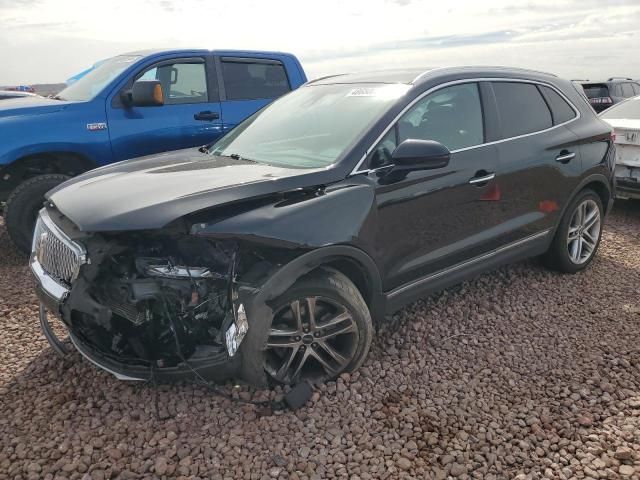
[(602, 95), (272, 252)]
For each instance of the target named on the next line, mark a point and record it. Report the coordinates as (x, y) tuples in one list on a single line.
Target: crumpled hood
[(150, 192), (30, 106)]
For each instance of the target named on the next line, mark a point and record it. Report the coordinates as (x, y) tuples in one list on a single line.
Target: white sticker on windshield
[(386, 91), (363, 92)]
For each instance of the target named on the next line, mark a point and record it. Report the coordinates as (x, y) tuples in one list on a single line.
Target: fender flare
[(594, 177), (278, 283)]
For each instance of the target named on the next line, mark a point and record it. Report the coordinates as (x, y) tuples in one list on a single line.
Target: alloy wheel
[(584, 232), (310, 338)]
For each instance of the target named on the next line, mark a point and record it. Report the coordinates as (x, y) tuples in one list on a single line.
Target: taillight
[(601, 100)]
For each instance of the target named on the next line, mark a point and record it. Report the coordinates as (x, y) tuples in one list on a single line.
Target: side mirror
[(413, 154), (144, 93)]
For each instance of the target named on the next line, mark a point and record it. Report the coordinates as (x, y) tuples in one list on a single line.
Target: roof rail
[(506, 69), (324, 78), (618, 78)]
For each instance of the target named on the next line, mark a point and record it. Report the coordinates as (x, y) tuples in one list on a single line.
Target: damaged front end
[(161, 303)]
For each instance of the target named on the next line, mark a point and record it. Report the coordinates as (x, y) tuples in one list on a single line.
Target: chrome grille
[(57, 254)]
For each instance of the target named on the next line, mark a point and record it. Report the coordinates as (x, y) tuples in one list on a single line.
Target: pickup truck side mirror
[(144, 93), (414, 154)]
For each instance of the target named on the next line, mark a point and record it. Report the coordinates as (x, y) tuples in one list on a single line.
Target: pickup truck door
[(191, 115), (247, 84)]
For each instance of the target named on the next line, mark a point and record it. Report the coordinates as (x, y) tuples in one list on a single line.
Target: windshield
[(310, 127), (96, 79), (629, 109)]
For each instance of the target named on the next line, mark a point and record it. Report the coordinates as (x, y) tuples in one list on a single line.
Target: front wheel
[(578, 235), (321, 327), (22, 207)]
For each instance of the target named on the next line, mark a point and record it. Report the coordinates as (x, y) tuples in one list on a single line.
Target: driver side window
[(451, 116), (182, 83)]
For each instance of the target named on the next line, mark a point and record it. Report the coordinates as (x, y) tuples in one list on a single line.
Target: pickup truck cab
[(128, 106)]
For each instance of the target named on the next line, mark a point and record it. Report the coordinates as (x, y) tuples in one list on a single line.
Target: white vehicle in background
[(625, 120)]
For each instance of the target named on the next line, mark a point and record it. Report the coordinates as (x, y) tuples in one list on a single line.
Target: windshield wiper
[(57, 97)]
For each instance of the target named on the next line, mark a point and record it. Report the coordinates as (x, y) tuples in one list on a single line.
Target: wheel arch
[(596, 182), (63, 162), (352, 262)]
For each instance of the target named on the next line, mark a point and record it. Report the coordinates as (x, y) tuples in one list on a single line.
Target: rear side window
[(561, 111), (247, 80), (627, 90), (521, 108), (596, 90), (636, 88)]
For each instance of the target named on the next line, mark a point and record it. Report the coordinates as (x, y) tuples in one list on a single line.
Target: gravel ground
[(521, 373)]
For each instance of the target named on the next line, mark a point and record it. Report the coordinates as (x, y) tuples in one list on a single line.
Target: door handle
[(482, 179), (565, 156), (207, 115)]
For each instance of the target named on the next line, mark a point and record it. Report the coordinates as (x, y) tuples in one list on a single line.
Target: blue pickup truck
[(127, 106)]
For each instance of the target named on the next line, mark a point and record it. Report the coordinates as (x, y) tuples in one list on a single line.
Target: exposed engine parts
[(170, 298)]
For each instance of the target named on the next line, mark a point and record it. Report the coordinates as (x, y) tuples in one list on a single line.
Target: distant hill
[(44, 89)]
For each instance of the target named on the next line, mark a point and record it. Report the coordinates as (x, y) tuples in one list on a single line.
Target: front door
[(191, 115), (431, 219)]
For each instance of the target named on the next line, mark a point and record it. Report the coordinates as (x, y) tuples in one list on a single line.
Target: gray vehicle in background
[(603, 95)]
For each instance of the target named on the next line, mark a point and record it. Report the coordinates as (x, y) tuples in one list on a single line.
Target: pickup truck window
[(87, 87), (246, 80), (182, 83)]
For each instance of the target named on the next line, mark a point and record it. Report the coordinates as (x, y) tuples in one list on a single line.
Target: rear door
[(191, 115), (247, 85), (539, 156)]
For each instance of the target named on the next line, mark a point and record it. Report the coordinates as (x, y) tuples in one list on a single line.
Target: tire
[(23, 205), (572, 256), (318, 347)]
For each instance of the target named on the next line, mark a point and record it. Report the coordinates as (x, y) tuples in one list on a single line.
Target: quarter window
[(246, 80), (182, 83), (521, 108), (627, 90), (561, 111)]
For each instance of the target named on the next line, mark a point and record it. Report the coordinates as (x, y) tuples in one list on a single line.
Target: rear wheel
[(23, 205), (578, 235), (321, 327)]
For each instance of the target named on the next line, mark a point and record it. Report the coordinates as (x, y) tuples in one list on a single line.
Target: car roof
[(417, 76), (155, 51), (608, 81)]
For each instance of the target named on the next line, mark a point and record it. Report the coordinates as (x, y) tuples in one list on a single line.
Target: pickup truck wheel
[(23, 205), (578, 235), (321, 327)]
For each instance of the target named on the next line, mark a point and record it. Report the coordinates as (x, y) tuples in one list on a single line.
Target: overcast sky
[(44, 41)]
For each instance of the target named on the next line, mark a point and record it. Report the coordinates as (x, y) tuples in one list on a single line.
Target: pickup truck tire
[(23, 205), (578, 235)]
